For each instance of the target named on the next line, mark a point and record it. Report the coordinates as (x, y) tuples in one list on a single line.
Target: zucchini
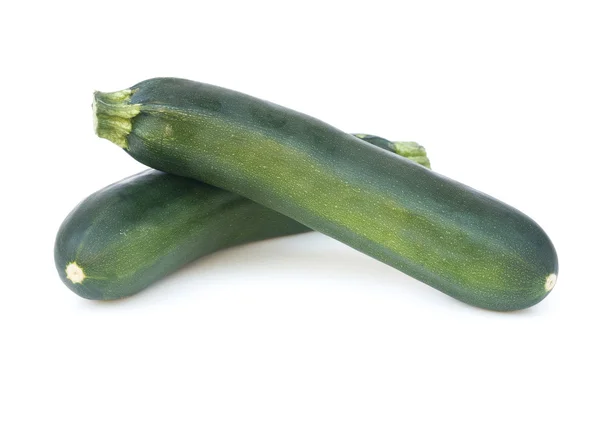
[(456, 239), (124, 237)]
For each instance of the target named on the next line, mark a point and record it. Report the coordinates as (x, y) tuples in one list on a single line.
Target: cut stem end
[(75, 273), (550, 282), (113, 112)]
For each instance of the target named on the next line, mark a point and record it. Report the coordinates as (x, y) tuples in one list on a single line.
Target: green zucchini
[(124, 237), (456, 239)]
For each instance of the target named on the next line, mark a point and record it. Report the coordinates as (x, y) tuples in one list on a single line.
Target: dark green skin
[(456, 239), (136, 231)]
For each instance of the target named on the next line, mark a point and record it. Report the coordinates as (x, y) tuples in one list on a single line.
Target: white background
[(504, 95)]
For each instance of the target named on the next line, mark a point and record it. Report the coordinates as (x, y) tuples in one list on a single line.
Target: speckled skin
[(456, 239), (134, 232)]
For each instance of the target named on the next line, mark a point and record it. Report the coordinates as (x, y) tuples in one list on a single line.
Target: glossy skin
[(456, 239), (136, 231)]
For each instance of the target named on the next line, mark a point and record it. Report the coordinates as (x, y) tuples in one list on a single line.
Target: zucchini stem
[(113, 112), (411, 150)]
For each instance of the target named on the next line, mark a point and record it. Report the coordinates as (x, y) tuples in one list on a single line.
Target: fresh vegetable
[(124, 237), (454, 238)]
